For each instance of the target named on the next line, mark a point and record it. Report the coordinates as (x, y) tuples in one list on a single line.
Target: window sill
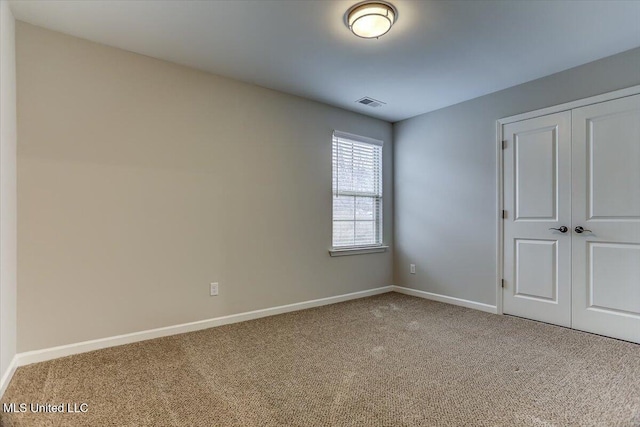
[(357, 251)]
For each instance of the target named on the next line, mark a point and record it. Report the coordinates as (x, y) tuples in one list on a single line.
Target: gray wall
[(445, 178), (8, 204), (141, 181)]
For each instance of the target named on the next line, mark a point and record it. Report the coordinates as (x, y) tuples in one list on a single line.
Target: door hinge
[(504, 144), (504, 214), (502, 282)]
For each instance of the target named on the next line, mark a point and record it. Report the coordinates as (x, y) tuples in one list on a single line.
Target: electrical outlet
[(412, 268), (214, 289)]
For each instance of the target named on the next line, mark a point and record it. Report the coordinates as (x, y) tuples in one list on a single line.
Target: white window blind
[(357, 191)]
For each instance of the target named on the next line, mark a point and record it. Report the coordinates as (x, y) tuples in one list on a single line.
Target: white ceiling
[(439, 53)]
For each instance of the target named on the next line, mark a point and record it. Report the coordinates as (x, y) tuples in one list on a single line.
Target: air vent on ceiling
[(370, 102)]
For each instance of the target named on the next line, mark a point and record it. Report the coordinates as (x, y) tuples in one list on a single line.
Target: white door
[(606, 201), (537, 199)]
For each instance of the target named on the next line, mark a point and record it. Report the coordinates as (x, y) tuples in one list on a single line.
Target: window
[(357, 191)]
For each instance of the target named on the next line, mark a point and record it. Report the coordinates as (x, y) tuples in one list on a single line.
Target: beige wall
[(141, 181), (445, 178), (7, 188)]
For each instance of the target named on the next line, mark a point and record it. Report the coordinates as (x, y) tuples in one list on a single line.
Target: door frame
[(622, 93)]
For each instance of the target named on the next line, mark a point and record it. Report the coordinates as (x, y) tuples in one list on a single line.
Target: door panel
[(613, 163), (606, 200), (613, 277), (536, 269), (536, 169), (537, 197)]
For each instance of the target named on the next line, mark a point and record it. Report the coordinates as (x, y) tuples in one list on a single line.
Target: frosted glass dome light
[(371, 19)]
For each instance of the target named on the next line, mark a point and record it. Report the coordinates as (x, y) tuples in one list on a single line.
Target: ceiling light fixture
[(371, 19)]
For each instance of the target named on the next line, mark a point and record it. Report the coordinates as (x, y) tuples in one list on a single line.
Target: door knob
[(561, 229), (580, 230)]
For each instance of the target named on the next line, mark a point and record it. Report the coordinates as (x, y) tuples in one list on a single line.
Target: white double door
[(579, 170)]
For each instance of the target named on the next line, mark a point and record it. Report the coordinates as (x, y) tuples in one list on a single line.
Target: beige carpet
[(389, 360)]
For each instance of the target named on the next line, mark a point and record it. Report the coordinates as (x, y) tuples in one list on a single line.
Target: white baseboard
[(8, 374), (446, 299), (36, 356), (29, 357)]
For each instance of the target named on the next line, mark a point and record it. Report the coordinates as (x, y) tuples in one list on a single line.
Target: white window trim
[(360, 250), (357, 138), (357, 250)]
